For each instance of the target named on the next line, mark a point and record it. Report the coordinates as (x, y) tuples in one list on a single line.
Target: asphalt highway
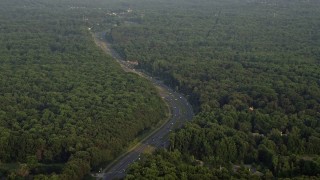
[(180, 112)]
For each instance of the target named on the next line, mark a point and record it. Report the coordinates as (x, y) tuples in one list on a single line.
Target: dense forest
[(66, 108), (250, 69)]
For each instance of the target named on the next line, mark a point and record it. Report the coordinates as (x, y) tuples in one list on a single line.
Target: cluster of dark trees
[(66, 108), (251, 71)]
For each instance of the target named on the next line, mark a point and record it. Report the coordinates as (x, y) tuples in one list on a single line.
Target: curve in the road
[(181, 112)]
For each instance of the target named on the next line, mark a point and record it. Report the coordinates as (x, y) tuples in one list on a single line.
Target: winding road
[(180, 112)]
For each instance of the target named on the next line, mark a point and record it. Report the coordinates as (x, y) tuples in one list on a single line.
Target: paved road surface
[(181, 112)]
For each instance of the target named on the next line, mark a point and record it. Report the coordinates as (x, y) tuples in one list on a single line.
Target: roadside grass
[(149, 150)]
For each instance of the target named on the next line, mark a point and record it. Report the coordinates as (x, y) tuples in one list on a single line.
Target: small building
[(135, 63), (257, 135)]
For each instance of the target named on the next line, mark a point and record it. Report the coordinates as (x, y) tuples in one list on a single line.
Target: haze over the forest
[(250, 69)]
